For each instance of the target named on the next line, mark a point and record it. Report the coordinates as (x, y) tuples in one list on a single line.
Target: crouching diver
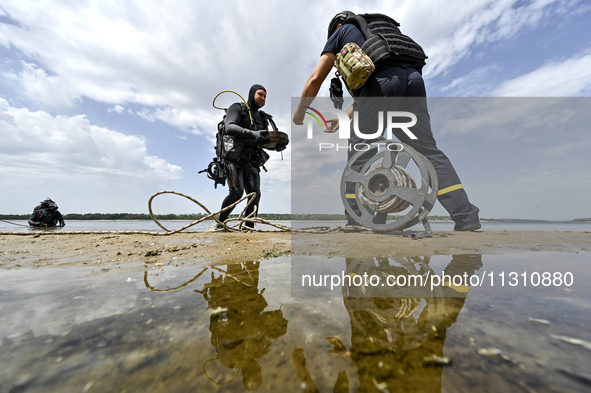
[(245, 130), (46, 215)]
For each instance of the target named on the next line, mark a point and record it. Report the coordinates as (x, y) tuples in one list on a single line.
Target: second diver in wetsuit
[(46, 215)]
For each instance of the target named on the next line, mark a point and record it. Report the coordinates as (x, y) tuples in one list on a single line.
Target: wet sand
[(32, 251)]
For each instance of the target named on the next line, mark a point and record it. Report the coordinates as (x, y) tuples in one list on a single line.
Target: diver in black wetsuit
[(243, 173), (46, 215)]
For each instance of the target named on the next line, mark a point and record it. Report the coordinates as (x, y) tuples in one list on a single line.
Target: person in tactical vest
[(248, 129), (398, 62), (46, 215)]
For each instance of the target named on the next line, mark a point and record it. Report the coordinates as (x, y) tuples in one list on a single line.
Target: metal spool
[(383, 186)]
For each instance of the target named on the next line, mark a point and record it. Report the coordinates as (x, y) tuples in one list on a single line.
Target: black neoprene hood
[(251, 102)]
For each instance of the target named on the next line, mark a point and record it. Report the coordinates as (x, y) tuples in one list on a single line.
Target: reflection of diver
[(391, 349), (240, 331), (46, 215)]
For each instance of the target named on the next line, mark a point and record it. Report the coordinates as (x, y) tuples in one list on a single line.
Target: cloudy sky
[(103, 103)]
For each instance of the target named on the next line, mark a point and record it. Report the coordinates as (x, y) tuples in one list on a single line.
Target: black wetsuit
[(243, 174), (46, 217), (403, 80)]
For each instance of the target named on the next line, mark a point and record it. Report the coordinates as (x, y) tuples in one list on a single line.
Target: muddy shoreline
[(34, 251)]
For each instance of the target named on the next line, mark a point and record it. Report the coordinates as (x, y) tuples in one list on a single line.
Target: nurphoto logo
[(345, 132)]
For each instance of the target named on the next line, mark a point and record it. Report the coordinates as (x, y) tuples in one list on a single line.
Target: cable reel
[(384, 185)]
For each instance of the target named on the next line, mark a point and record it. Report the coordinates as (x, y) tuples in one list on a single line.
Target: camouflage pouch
[(354, 65)]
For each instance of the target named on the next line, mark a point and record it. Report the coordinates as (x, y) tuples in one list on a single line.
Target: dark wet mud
[(191, 327)]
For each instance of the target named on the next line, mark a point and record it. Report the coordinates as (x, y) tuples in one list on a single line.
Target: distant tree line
[(138, 216), (197, 216), (14, 216)]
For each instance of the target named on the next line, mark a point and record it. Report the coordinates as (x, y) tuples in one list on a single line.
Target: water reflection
[(241, 330), (70, 330), (396, 342)]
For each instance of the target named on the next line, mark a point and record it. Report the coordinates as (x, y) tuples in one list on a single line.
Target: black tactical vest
[(384, 43)]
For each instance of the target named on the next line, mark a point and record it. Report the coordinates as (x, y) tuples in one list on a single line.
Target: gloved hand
[(336, 92), (261, 137)]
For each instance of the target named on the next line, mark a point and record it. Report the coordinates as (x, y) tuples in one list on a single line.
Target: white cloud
[(175, 59), (477, 83), (452, 30), (507, 119), (37, 86), (162, 169), (570, 77), (37, 144), (145, 114), (116, 108), (195, 120)]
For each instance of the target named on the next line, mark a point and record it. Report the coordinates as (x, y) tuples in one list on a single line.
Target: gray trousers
[(403, 89)]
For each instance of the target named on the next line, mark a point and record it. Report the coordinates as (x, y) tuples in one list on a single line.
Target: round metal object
[(380, 185), (276, 138)]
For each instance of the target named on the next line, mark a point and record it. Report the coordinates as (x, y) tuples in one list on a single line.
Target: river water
[(237, 327), (187, 326), (136, 225)]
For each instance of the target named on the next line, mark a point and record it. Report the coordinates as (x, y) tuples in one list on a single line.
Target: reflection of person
[(396, 75), (405, 343), (249, 127), (240, 330), (46, 215), (390, 347)]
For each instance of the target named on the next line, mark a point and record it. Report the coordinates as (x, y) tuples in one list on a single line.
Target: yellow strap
[(350, 196), (449, 189)]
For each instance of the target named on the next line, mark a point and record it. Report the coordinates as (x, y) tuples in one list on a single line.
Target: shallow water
[(232, 328)]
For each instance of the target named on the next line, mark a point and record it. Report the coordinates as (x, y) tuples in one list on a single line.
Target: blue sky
[(103, 103)]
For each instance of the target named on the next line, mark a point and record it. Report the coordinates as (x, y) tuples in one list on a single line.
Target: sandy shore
[(215, 248)]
